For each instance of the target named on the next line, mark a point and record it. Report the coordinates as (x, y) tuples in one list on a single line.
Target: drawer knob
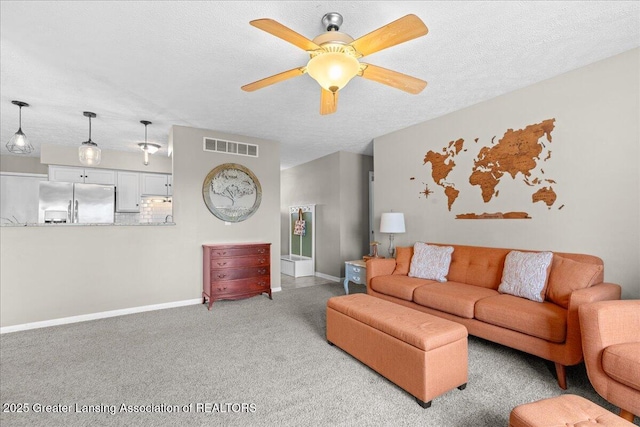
[(261, 251), (356, 269), (357, 278), (261, 260), (222, 253), (221, 276), (262, 271), (222, 264)]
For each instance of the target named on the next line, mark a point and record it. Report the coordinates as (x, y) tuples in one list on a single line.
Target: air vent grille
[(230, 147)]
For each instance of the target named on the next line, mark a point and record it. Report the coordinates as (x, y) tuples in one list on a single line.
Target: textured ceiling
[(183, 63)]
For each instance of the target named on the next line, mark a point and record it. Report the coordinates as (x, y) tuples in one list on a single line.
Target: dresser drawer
[(239, 273), (240, 287), (235, 271), (239, 251), (356, 274), (243, 261)]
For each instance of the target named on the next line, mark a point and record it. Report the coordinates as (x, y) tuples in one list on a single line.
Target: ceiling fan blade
[(394, 79), (276, 78), (328, 102), (404, 29), (285, 33)]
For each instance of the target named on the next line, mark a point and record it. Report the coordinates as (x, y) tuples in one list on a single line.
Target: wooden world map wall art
[(519, 154)]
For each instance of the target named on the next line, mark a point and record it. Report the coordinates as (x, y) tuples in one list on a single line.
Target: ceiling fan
[(334, 56)]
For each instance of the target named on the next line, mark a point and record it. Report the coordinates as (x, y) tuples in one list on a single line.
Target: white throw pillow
[(525, 274), (430, 262)]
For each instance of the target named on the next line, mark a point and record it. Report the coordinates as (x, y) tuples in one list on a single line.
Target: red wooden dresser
[(235, 271)]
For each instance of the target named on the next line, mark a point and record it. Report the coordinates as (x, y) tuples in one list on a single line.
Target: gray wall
[(596, 163), (338, 185), (55, 272)]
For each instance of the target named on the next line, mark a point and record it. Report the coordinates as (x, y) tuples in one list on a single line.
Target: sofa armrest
[(379, 267), (606, 323), (600, 292)]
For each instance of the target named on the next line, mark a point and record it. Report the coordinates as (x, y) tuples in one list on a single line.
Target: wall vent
[(230, 147)]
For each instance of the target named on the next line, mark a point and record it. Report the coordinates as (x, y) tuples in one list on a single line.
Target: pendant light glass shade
[(19, 144), (146, 147), (89, 153)]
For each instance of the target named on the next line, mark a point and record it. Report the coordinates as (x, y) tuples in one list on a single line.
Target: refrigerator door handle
[(75, 213), (69, 217)]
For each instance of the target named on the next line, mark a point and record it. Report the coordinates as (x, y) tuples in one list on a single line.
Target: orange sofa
[(611, 341), (548, 329)]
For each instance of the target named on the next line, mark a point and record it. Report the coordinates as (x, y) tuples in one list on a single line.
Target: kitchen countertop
[(140, 224)]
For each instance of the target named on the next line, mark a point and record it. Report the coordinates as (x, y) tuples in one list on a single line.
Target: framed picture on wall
[(232, 192)]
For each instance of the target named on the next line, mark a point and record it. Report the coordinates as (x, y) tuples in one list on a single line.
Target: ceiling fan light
[(333, 70)]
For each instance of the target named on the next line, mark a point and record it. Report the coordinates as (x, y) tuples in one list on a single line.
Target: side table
[(356, 272)]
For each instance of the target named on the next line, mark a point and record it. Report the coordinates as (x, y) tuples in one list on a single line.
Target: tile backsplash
[(127, 218), (156, 209), (152, 209)]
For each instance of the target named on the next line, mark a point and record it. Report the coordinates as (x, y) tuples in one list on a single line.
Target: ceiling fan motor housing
[(332, 21)]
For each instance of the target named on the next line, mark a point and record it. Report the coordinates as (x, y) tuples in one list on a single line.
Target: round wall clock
[(232, 192)]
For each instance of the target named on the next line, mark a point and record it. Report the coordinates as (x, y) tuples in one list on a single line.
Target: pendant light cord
[(20, 115)]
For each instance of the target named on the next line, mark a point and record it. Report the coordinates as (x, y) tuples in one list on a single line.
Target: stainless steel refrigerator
[(68, 202)]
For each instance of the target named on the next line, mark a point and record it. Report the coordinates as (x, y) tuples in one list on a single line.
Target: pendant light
[(145, 146), (19, 144), (89, 152)]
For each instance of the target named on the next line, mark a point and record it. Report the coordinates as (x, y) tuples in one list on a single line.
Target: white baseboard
[(278, 289), (326, 276), (95, 316)]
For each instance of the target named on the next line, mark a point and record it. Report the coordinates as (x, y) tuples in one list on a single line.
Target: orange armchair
[(611, 346)]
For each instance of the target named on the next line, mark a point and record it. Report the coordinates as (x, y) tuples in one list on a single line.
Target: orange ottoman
[(566, 410), (423, 354)]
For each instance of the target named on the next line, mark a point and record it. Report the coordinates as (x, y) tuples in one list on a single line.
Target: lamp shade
[(333, 70), (392, 222)]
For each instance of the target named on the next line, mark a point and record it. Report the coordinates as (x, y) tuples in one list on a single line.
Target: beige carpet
[(245, 363)]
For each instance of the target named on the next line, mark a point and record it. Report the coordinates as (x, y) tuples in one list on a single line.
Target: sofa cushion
[(452, 297), (397, 285), (403, 259), (622, 363), (567, 276), (430, 262), (477, 266), (525, 274), (544, 320)]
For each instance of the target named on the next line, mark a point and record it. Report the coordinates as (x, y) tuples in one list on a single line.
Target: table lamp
[(392, 222)]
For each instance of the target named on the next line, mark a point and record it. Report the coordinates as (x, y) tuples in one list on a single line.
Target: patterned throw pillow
[(525, 274), (430, 262)]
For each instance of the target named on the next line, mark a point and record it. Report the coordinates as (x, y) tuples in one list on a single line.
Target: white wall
[(595, 161), (55, 272)]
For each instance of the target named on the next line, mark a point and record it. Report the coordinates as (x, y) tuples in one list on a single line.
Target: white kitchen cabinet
[(19, 195), (156, 184), (83, 175), (127, 191)]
